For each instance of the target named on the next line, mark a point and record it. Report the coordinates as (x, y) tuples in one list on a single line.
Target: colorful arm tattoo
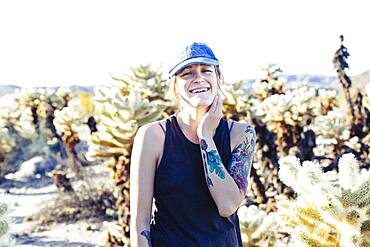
[(146, 234), (242, 159), (213, 159)]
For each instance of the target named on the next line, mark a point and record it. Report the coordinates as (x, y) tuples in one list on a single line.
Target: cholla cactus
[(328, 100), (272, 84), (7, 142), (9, 112), (333, 135), (120, 112), (257, 227), (4, 225), (287, 114), (235, 101), (71, 125), (73, 118), (27, 114), (150, 84), (27, 109), (324, 213)]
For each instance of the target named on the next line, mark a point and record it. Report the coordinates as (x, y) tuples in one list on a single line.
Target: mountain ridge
[(359, 81)]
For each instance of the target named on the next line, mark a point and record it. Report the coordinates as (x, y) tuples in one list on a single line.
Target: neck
[(189, 119)]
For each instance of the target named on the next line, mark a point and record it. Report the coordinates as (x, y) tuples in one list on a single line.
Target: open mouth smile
[(199, 90)]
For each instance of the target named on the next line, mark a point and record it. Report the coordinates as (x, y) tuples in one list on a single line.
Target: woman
[(195, 164)]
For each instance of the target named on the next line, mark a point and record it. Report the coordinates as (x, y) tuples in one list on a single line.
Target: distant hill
[(315, 80), (11, 88), (362, 79), (7, 89)]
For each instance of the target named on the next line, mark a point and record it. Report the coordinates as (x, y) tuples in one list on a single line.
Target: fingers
[(213, 105), (216, 107)]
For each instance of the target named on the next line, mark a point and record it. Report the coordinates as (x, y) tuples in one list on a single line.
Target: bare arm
[(143, 165), (228, 188)]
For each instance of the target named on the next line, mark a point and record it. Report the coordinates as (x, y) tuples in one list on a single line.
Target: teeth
[(199, 90)]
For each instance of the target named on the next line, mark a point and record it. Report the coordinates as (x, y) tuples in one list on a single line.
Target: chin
[(198, 102)]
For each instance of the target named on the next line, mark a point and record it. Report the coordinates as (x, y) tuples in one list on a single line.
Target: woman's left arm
[(228, 187)]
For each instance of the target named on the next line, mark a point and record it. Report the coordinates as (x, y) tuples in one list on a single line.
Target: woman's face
[(197, 85)]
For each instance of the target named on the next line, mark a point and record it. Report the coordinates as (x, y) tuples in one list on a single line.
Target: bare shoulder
[(240, 132), (151, 137), (152, 129)]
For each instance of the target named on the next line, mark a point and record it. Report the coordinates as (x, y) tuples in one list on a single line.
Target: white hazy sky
[(50, 43)]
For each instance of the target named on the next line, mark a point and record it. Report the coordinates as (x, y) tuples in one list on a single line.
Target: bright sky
[(50, 43)]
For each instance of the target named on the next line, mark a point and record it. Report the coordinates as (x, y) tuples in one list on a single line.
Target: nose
[(198, 76)]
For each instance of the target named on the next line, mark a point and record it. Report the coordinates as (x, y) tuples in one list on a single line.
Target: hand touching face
[(211, 119)]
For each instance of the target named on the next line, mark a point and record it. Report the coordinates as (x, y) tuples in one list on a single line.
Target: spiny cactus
[(286, 115), (4, 225), (328, 100), (6, 145), (71, 126), (326, 213), (235, 101), (333, 138), (257, 227), (120, 112), (6, 141), (271, 84), (151, 85)]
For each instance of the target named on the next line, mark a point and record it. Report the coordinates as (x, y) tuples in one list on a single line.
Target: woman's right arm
[(144, 158)]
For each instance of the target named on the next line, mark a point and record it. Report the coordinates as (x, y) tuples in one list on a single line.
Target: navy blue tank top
[(185, 214)]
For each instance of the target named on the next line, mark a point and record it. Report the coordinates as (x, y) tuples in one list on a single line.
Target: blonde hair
[(172, 90)]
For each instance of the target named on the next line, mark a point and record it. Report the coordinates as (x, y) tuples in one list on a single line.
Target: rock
[(27, 169)]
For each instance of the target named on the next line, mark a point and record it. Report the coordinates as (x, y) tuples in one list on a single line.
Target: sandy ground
[(25, 197)]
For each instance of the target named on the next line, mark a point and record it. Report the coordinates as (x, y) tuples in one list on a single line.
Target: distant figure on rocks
[(195, 164)]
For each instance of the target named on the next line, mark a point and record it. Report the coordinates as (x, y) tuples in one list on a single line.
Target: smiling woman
[(198, 169)]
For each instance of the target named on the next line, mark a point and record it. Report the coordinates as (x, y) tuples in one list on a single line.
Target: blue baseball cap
[(195, 53)]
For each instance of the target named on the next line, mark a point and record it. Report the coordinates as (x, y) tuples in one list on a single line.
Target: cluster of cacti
[(120, 110), (358, 112), (326, 212), (258, 228), (303, 121), (26, 110), (271, 84), (283, 119), (235, 100), (296, 107), (16, 116), (27, 115), (333, 136), (150, 84)]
